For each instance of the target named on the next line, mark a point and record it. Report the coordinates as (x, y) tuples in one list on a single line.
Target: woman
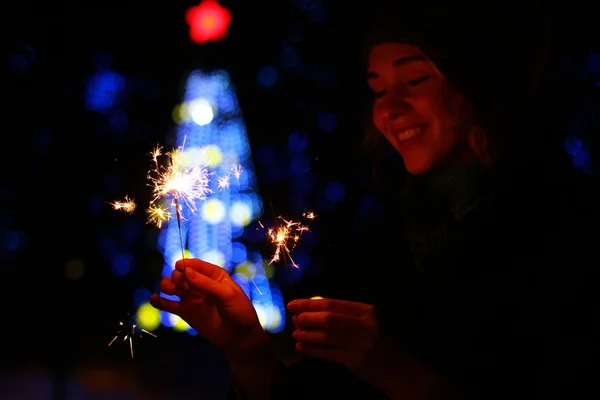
[(473, 307)]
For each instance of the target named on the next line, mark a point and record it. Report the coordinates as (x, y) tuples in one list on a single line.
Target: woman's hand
[(348, 333), (344, 332), (213, 304), (219, 310)]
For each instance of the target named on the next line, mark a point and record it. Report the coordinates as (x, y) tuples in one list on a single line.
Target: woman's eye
[(378, 94), (417, 81)]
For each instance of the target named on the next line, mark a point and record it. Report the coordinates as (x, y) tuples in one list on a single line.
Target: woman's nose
[(395, 108)]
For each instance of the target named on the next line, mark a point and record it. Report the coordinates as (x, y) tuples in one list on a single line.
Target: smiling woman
[(423, 117), (463, 279), (489, 72)]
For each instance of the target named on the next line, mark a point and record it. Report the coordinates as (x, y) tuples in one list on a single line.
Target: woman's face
[(416, 110)]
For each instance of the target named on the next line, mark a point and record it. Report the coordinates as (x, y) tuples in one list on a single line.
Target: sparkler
[(285, 235), (126, 205), (129, 333), (185, 184), (179, 180)]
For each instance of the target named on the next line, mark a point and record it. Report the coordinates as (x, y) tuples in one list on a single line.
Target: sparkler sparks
[(129, 333), (184, 182), (285, 235), (126, 205), (224, 181)]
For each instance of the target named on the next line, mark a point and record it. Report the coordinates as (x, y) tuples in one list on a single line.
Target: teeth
[(409, 133)]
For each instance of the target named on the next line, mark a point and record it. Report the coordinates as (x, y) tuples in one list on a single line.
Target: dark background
[(58, 156)]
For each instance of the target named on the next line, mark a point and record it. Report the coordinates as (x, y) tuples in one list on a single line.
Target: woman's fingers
[(179, 280), (168, 287), (171, 306), (207, 285), (330, 321), (350, 308), (202, 267)]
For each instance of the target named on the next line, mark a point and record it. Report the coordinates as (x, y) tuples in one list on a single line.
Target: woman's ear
[(480, 145)]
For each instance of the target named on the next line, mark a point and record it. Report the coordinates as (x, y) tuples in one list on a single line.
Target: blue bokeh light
[(141, 296), (326, 121), (289, 57), (335, 192), (121, 264), (268, 75), (102, 90), (297, 142)]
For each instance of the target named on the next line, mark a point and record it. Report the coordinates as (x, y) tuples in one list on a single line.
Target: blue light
[(297, 142), (118, 120), (227, 103), (254, 257), (11, 240), (102, 90), (238, 253), (289, 57), (326, 122), (299, 164), (268, 75), (582, 160), (141, 296), (170, 297), (237, 231), (121, 264), (593, 63), (581, 157), (166, 319), (572, 145), (335, 192)]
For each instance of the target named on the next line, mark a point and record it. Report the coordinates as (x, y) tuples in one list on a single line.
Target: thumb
[(205, 284)]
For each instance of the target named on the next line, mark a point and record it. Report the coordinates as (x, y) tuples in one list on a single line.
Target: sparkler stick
[(178, 214)]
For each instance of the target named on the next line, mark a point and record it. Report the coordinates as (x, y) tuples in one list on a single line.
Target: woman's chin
[(417, 165)]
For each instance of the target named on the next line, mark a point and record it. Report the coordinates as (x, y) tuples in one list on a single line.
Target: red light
[(208, 21)]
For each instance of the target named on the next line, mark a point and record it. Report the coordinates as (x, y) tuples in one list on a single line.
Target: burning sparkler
[(185, 184), (285, 235), (129, 332), (182, 182), (126, 205)]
